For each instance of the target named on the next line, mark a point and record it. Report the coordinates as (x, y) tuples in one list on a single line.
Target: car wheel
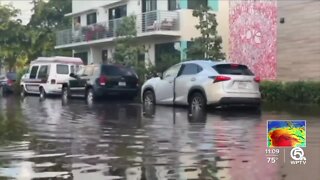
[(42, 93), (197, 101), (149, 98), (89, 95)]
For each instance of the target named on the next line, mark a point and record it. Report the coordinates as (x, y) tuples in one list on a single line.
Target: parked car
[(7, 82), (47, 74), (199, 83), (94, 81)]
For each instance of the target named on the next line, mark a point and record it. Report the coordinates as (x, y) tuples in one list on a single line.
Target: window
[(172, 71), (165, 54), (118, 12), (149, 5), (194, 4), (191, 54), (117, 71), (33, 73), (172, 5), (43, 72), (111, 71), (233, 69), (62, 69), (190, 69), (91, 18)]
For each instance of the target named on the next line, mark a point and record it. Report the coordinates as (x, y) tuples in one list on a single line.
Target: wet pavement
[(122, 140)]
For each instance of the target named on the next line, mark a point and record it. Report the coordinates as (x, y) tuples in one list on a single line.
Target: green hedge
[(304, 92)]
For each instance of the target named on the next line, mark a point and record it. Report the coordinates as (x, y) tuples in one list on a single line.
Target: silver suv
[(199, 83)]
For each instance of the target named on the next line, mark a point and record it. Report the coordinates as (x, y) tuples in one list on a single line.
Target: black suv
[(94, 81)]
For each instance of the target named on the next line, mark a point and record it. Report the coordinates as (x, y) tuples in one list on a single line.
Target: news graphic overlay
[(297, 156), (273, 155), (283, 133)]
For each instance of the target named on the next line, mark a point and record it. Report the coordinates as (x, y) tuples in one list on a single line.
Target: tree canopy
[(19, 44), (12, 36), (47, 18)]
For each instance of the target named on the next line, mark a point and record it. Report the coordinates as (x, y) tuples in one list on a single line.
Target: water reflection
[(12, 126), (121, 140)]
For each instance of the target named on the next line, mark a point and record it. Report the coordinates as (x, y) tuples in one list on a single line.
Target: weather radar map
[(286, 133)]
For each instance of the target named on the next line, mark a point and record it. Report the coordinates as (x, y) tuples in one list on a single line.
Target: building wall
[(79, 5), (253, 35), (222, 16), (299, 40)]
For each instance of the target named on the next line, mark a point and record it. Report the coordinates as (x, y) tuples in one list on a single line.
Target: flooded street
[(120, 140)]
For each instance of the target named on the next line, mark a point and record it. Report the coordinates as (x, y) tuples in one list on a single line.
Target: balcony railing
[(146, 22)]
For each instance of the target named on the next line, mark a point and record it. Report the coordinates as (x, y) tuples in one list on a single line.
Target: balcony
[(147, 24)]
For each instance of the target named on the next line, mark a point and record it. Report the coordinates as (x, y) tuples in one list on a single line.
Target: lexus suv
[(95, 81), (200, 83)]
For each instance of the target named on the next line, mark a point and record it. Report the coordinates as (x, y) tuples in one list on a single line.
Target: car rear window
[(117, 71), (233, 69)]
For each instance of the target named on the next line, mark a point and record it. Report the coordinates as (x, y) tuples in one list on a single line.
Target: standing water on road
[(116, 140)]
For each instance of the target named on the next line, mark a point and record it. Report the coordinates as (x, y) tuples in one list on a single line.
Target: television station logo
[(297, 154)]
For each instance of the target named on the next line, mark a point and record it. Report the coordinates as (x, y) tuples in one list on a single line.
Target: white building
[(163, 26)]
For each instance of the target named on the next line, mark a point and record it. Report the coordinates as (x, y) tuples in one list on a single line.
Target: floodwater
[(121, 140)]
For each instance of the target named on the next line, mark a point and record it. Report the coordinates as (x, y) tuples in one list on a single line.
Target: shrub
[(293, 92)]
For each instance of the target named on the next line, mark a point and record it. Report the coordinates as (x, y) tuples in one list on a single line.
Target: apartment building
[(163, 26)]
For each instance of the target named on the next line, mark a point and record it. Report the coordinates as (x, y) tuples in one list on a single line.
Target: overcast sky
[(24, 5)]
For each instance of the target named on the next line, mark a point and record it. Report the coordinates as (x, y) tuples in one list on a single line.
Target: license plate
[(122, 84), (242, 85)]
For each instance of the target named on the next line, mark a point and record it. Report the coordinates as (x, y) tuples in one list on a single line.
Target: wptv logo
[(297, 154)]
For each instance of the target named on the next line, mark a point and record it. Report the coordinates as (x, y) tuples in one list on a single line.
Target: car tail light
[(53, 81), (257, 79), (221, 78), (10, 82), (103, 80)]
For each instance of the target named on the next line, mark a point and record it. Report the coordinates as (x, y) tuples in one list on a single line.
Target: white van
[(47, 74)]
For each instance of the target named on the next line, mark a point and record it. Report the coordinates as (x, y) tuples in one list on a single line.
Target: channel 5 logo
[(297, 154)]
